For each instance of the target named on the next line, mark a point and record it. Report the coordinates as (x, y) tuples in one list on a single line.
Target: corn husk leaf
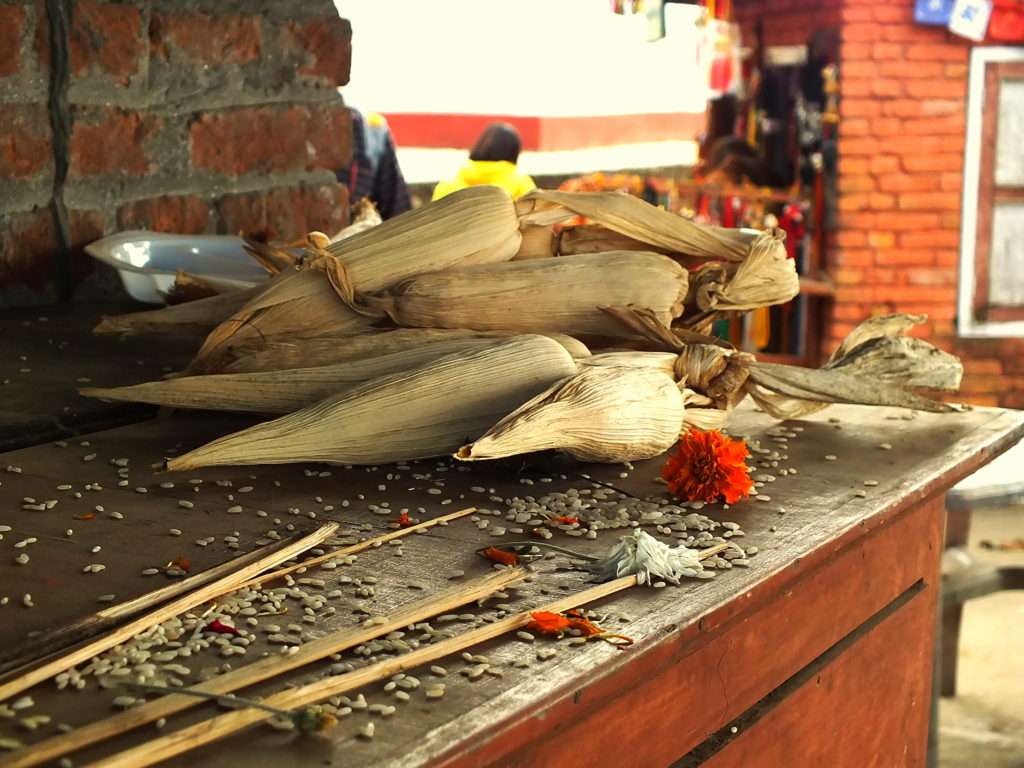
[(602, 414), (766, 277), (561, 295), (661, 361), (188, 287), (594, 238), (645, 324), (281, 257), (475, 225), (193, 317), (329, 350), (298, 303), (874, 365), (425, 412), (636, 219), (280, 391), (537, 243)]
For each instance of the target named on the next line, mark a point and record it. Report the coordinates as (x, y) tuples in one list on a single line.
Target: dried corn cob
[(426, 412), (294, 304), (593, 238), (636, 219), (197, 316), (330, 350), (475, 225), (539, 295), (280, 391), (604, 414)]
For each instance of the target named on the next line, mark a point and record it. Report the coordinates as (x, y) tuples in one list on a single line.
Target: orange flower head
[(706, 466), (501, 556), (547, 623)]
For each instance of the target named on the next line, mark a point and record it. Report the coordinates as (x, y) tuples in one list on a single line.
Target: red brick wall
[(901, 143), (785, 22), (192, 116)]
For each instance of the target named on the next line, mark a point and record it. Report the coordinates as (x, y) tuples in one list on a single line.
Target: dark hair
[(499, 141)]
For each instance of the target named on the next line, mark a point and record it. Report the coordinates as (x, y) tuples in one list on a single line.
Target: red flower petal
[(220, 628), (706, 466)]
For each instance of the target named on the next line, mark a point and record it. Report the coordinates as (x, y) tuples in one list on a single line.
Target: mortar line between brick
[(58, 18)]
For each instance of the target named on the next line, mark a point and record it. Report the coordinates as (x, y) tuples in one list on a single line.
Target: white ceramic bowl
[(148, 261)]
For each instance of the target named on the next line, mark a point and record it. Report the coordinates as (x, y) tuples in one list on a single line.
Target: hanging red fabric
[(1007, 22)]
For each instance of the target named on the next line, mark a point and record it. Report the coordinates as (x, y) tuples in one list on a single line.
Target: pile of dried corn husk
[(459, 327)]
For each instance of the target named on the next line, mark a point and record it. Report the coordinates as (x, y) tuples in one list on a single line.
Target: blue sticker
[(933, 11)]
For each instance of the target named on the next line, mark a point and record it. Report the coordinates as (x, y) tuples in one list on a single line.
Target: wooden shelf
[(819, 285)]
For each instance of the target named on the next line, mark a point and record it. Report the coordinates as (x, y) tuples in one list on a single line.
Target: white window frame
[(967, 325)]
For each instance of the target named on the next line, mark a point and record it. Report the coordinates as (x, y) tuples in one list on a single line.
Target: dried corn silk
[(197, 316), (410, 415), (603, 414), (328, 350), (281, 391), (638, 220), (561, 295)]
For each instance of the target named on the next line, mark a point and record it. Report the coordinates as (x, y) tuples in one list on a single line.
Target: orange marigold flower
[(501, 556), (708, 465), (547, 623)]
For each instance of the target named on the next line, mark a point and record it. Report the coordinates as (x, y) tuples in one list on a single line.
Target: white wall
[(518, 57)]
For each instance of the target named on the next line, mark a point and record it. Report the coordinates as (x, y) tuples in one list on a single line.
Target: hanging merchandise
[(792, 223), (970, 19), (718, 55), (1007, 24), (935, 12)]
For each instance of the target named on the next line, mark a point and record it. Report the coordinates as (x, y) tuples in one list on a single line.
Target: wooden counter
[(819, 653), (49, 352)]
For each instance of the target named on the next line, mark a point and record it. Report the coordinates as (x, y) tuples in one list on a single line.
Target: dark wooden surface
[(49, 352), (831, 562)]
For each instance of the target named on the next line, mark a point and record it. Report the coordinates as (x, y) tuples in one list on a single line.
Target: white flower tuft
[(643, 555)]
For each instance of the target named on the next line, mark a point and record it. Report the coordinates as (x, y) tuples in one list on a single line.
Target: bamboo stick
[(218, 727), (360, 547), (95, 623), (335, 642), (184, 603)]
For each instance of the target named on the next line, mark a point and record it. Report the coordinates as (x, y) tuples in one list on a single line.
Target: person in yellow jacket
[(491, 161)]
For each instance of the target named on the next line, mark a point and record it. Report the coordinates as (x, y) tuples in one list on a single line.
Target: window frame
[(979, 190)]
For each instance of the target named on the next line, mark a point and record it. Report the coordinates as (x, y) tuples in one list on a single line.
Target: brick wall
[(193, 116), (901, 143), (785, 22)]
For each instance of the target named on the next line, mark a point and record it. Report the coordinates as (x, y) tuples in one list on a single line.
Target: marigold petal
[(547, 623)]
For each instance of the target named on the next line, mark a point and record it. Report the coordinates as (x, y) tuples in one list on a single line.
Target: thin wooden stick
[(272, 666), (362, 545), (184, 603), (223, 725), (57, 640)]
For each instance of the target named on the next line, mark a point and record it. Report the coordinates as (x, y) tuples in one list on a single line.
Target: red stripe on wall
[(544, 133)]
